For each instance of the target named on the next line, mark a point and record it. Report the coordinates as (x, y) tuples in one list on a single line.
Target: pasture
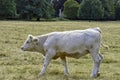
[(18, 65)]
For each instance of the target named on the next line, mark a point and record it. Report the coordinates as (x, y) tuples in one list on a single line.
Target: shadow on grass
[(3, 55), (109, 60), (56, 77)]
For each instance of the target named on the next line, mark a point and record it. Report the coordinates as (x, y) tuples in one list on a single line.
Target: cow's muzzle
[(22, 48)]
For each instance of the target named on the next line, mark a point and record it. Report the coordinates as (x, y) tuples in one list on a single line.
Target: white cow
[(74, 44)]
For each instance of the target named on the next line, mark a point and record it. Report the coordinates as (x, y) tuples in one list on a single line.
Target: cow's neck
[(39, 47)]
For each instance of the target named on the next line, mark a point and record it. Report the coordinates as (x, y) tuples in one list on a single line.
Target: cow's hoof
[(95, 75), (98, 74), (41, 74), (65, 75)]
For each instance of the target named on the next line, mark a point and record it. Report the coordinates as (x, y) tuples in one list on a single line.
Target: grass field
[(18, 65)]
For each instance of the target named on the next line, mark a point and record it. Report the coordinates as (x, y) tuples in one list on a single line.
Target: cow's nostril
[(22, 48)]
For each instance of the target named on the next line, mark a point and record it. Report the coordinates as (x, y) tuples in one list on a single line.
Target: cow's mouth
[(23, 49), (31, 49)]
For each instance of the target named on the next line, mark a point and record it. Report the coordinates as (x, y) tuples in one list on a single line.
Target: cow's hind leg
[(97, 58), (49, 55), (100, 60)]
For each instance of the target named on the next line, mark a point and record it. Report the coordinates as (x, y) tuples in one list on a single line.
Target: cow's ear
[(35, 39), (30, 36)]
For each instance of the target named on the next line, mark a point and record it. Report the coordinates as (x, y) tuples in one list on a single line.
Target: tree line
[(70, 9)]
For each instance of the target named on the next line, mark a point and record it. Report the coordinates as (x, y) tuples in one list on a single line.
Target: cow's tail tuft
[(105, 46)]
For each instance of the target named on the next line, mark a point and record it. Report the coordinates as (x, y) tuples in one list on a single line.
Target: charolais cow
[(64, 44)]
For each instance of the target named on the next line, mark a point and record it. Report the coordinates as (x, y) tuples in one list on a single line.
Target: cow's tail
[(105, 46)]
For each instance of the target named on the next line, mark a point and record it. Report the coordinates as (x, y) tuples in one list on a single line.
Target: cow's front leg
[(49, 55), (63, 59)]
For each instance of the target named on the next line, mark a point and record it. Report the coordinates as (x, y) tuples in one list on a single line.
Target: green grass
[(18, 65)]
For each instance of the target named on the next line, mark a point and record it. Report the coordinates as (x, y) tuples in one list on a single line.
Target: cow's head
[(30, 44)]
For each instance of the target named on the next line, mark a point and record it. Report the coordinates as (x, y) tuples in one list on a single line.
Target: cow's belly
[(73, 55)]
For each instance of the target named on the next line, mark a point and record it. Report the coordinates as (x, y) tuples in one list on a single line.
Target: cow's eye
[(27, 42)]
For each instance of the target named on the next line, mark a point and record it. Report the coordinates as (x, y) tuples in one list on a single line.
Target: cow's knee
[(100, 57)]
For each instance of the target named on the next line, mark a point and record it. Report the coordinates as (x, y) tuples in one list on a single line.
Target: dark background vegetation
[(69, 9)]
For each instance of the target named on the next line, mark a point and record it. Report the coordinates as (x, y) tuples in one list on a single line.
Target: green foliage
[(117, 10), (109, 11), (7, 8), (71, 9), (88, 9), (49, 10), (91, 9), (35, 8)]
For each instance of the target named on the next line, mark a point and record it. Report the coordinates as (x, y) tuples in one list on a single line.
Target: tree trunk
[(38, 19)]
